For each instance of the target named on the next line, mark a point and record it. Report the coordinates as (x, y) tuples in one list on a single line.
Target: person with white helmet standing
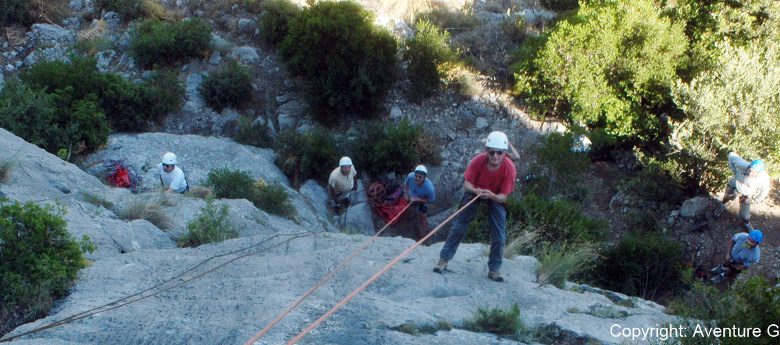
[(491, 177), (171, 176), (341, 182), (419, 190), (750, 182)]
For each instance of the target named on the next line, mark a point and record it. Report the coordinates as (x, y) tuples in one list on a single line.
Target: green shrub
[(253, 134), (275, 20), (425, 53), (157, 42), (211, 225), (237, 184), (347, 61), (127, 9), (393, 147), (654, 183), (39, 260), (273, 198), (128, 106), (309, 155), (228, 86), (6, 166), (610, 66), (94, 45), (495, 320), (560, 5), (642, 264), (53, 122), (28, 12), (730, 107), (558, 263), (558, 171), (231, 184), (97, 200)]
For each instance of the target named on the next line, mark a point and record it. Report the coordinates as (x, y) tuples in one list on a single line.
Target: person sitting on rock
[(342, 181), (750, 182), (743, 252), (419, 190), (490, 176), (171, 176)]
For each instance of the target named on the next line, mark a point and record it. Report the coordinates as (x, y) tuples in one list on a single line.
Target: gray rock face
[(246, 26), (694, 207), (245, 54), (481, 123), (104, 59), (289, 113), (220, 43), (215, 58), (51, 34)]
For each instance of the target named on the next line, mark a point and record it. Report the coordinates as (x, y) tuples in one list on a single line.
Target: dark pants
[(497, 220)]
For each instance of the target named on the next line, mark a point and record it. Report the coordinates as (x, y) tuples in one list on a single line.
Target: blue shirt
[(741, 253), (425, 191)]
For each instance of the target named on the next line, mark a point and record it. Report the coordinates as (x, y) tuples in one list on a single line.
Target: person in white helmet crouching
[(171, 176)]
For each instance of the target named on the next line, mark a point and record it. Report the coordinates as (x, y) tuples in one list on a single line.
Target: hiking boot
[(440, 267), (495, 276), (717, 270), (718, 211)]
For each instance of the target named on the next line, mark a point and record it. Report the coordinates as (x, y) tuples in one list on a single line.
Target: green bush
[(309, 155), (735, 307), (654, 183), (642, 264), (560, 5), (451, 20), (228, 86), (53, 122), (347, 61), (253, 134), (425, 53), (127, 9), (211, 225), (558, 171), (394, 147), (157, 42), (28, 12), (128, 106), (231, 184), (39, 260), (496, 320), (273, 198), (237, 184), (610, 66), (275, 20)]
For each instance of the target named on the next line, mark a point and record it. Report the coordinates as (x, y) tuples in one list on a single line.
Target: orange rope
[(375, 277), (322, 281)]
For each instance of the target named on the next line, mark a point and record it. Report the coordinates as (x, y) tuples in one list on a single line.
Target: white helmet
[(421, 169), (169, 158), (497, 140), (345, 161)]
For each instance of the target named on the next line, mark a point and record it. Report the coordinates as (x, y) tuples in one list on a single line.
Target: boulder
[(694, 207), (245, 54)]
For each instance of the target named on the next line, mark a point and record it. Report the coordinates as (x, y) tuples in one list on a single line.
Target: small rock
[(76, 5), (113, 20), (396, 113), (245, 54), (215, 58), (282, 98), (246, 25), (452, 135), (289, 84), (481, 123), (104, 59), (220, 43)]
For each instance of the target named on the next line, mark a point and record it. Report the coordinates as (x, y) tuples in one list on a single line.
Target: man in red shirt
[(491, 176)]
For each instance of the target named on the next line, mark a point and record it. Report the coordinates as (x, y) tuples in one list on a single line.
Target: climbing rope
[(321, 282), (131, 298), (376, 276)]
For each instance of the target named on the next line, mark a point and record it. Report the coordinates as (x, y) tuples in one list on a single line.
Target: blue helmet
[(757, 236), (757, 165)]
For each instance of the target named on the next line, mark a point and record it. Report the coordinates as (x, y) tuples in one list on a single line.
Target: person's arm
[(354, 180), (763, 190), (499, 198), (332, 192)]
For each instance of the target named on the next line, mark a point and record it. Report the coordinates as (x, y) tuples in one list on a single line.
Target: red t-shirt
[(500, 181)]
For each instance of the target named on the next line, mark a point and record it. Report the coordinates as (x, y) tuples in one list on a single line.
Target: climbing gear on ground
[(169, 158), (344, 161), (718, 278), (718, 211), (440, 267), (497, 140), (495, 276)]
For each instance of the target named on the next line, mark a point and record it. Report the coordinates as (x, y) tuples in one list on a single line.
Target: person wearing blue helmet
[(743, 252), (750, 182)]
